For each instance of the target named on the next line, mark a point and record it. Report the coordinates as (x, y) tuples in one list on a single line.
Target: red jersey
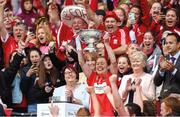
[(65, 35), (99, 82), (8, 47), (139, 30), (118, 38)]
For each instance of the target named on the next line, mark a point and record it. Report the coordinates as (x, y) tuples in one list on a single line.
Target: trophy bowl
[(90, 37)]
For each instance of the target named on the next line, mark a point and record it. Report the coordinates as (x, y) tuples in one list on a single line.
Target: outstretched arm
[(107, 90), (91, 14), (113, 66), (95, 102), (3, 31), (14, 66), (87, 71), (54, 110), (117, 99)]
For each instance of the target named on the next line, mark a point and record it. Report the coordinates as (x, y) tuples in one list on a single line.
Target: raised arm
[(138, 95), (107, 90), (95, 102), (119, 105), (58, 63), (120, 50), (111, 55), (3, 31), (68, 2), (94, 4), (145, 11), (14, 66), (91, 14), (87, 71)]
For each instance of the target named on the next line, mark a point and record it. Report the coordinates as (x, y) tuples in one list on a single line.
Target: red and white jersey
[(118, 38), (99, 82)]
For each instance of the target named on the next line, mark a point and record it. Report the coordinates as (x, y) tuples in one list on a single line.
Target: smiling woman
[(44, 38), (99, 77), (152, 51), (137, 86), (124, 67), (72, 91)]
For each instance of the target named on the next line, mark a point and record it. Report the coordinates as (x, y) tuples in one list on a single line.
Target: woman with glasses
[(73, 91)]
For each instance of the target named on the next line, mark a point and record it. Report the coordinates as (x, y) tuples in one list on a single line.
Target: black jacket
[(171, 83), (34, 93), (1, 57), (6, 79)]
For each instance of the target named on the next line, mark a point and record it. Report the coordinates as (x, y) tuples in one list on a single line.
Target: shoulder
[(157, 50), (128, 76), (147, 76), (10, 39), (81, 86), (93, 74), (125, 78)]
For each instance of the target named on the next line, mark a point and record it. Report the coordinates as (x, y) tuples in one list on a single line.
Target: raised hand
[(106, 37), (107, 89), (113, 78), (166, 65), (90, 90), (69, 94), (51, 1), (128, 85), (69, 48), (83, 2), (33, 70), (130, 20), (54, 110), (48, 89), (138, 82), (21, 46), (30, 36), (51, 45), (160, 17)]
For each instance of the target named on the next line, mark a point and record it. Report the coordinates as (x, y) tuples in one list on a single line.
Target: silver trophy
[(90, 37)]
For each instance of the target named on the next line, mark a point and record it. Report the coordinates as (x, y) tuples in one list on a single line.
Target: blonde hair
[(138, 55), (48, 33)]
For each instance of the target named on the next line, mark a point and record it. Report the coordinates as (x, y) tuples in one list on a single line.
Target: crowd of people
[(113, 57)]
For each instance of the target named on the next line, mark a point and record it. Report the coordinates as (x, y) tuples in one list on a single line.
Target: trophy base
[(89, 49)]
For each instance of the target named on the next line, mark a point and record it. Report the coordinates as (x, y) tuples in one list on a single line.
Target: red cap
[(111, 14)]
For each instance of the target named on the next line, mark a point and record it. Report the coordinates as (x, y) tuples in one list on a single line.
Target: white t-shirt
[(79, 93)]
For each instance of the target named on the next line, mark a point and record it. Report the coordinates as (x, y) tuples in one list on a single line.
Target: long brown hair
[(48, 33), (172, 103), (53, 73)]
